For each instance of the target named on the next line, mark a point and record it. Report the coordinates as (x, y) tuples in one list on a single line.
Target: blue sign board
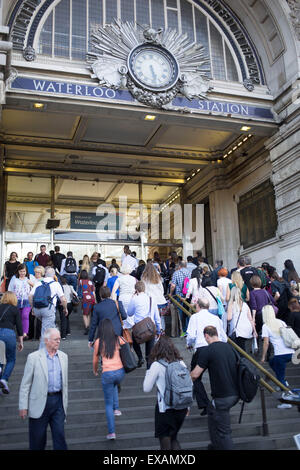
[(94, 92)]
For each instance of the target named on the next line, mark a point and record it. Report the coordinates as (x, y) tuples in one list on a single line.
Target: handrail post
[(265, 427)]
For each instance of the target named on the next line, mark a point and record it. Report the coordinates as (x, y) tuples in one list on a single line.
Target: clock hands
[(153, 73)]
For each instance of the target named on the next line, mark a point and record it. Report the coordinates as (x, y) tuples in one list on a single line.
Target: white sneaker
[(4, 386), (284, 406), (117, 413)]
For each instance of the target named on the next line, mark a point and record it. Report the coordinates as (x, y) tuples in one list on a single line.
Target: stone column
[(224, 227), (3, 203), (284, 150)]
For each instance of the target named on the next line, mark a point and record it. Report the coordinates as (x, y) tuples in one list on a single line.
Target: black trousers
[(64, 320), (35, 327), (199, 390), (148, 348), (219, 426)]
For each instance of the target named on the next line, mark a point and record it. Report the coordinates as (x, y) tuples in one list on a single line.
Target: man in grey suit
[(43, 393)]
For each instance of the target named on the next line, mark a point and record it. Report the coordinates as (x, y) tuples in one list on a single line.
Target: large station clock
[(153, 67)]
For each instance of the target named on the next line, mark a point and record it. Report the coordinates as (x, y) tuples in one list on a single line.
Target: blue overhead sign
[(94, 92)]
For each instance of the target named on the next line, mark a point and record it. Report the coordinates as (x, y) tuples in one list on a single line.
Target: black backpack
[(248, 379), (70, 266), (99, 275)]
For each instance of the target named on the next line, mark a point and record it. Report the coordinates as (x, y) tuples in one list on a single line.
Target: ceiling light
[(38, 105), (150, 117), (245, 128)]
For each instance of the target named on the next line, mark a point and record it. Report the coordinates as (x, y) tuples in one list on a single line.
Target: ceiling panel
[(194, 138), (119, 131), (38, 124)]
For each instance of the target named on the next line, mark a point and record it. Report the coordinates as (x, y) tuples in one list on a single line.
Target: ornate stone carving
[(248, 84), (122, 61), (29, 54), (295, 15)]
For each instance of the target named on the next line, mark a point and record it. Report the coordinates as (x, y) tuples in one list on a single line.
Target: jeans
[(64, 320), (8, 336), (47, 316), (55, 416), (71, 280), (162, 318), (219, 428), (278, 364), (183, 318), (110, 381)]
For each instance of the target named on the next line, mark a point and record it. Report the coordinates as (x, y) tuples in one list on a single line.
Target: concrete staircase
[(86, 423)]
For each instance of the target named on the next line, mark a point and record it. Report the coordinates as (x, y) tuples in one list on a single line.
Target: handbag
[(233, 334), (144, 330), (165, 311), (127, 357), (2, 285), (125, 331), (221, 310)]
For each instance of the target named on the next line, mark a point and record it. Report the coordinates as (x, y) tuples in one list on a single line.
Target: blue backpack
[(42, 296)]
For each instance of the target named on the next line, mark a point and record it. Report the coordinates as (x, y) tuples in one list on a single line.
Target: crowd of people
[(248, 304)]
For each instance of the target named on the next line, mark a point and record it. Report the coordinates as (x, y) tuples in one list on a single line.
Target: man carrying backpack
[(69, 270), (220, 360), (100, 277), (43, 298)]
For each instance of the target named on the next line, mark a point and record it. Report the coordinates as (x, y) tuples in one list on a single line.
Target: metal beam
[(113, 192)]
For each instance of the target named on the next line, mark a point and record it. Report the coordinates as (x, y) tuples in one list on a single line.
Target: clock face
[(153, 67)]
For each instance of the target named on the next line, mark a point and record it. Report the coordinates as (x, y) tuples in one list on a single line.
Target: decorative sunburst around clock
[(154, 65)]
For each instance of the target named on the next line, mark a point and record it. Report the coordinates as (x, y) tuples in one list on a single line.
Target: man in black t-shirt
[(247, 270), (57, 258), (220, 361)]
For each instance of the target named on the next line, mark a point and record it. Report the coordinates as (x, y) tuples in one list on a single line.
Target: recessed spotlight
[(150, 117), (245, 128), (38, 105)]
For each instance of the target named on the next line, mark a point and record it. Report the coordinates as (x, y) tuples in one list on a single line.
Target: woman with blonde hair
[(237, 280), (10, 319), (85, 265), (155, 289), (242, 326), (282, 354)]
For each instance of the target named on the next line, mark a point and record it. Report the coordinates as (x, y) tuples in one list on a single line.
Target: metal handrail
[(241, 351)]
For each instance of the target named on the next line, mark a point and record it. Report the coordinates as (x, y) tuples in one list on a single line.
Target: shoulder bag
[(144, 330), (221, 309), (5, 310), (127, 357), (125, 332), (233, 334)]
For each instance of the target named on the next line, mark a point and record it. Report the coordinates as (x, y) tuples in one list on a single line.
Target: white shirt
[(194, 290), (244, 328), (55, 288), (130, 261), (276, 340), (205, 294), (222, 283), (197, 323), (139, 308), (156, 291), (68, 292)]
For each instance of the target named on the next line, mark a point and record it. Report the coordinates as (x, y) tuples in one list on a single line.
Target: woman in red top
[(86, 292), (107, 346)]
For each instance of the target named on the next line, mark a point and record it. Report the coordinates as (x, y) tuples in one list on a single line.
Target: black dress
[(10, 271)]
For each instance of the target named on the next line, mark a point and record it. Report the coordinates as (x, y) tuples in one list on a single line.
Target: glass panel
[(172, 3), (202, 32), (62, 29), (232, 73), (172, 19), (142, 12), (45, 44), (111, 11), (79, 29), (95, 19), (158, 18), (127, 10), (217, 53), (187, 20)]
